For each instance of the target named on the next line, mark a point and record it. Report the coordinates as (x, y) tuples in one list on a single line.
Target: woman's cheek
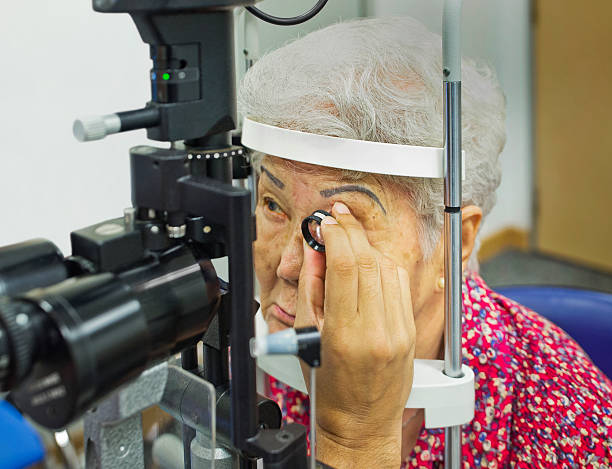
[(264, 252)]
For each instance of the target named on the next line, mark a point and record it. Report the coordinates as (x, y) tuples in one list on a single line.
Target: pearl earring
[(441, 283)]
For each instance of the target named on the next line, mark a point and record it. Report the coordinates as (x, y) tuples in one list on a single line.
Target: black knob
[(16, 341)]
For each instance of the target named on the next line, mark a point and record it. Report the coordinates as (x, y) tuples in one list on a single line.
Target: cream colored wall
[(574, 130)]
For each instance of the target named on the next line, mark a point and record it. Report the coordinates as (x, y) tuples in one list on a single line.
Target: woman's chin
[(274, 325)]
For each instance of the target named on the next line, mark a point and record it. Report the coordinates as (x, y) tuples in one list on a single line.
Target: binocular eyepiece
[(63, 346)]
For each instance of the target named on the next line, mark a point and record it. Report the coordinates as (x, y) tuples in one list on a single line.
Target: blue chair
[(584, 314), (20, 445)]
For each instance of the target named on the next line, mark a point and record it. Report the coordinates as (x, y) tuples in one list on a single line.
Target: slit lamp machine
[(92, 334)]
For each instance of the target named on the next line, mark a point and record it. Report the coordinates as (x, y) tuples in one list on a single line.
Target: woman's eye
[(272, 206)]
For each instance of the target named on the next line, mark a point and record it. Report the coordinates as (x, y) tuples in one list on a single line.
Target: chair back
[(584, 314)]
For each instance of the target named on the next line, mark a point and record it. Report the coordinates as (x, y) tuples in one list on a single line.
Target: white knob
[(95, 127)]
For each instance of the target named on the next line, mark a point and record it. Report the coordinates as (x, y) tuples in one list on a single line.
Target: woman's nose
[(291, 259)]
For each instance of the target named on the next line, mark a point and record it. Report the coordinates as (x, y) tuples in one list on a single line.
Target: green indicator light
[(166, 76)]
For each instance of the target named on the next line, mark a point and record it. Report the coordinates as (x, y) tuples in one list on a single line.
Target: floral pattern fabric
[(540, 401)]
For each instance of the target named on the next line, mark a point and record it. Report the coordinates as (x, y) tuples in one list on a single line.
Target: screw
[(283, 436), (155, 229), (123, 451), (207, 229), (22, 319), (129, 217)]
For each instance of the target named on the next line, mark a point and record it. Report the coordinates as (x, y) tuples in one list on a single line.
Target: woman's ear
[(471, 216)]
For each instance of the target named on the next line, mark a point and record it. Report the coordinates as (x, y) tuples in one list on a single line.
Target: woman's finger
[(341, 279), (406, 298), (355, 231), (389, 280), (311, 289), (370, 294)]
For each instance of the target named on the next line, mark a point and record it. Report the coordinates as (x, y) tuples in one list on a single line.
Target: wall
[(574, 133), (62, 60), (499, 32)]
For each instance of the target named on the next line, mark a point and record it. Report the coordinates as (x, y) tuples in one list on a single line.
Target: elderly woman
[(376, 294)]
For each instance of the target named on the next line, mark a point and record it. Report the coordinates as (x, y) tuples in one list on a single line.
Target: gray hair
[(380, 79)]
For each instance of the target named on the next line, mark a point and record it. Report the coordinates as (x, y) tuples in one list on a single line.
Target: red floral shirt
[(540, 401)]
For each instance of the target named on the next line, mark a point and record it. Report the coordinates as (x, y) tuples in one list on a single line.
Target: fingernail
[(341, 208), (329, 221)]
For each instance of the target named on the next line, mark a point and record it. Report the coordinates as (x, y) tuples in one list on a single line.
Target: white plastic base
[(447, 401)]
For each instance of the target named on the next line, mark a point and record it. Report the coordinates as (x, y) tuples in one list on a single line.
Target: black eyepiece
[(311, 230)]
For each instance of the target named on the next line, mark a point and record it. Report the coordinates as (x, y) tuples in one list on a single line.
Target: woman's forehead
[(312, 172), (302, 179)]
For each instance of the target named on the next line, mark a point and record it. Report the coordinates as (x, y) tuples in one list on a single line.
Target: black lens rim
[(317, 216)]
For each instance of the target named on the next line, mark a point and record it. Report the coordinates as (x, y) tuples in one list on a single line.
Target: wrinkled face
[(287, 193)]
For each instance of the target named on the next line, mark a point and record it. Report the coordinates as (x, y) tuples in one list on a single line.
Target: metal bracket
[(113, 429)]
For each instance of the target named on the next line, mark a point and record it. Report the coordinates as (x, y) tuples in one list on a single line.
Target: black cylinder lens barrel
[(67, 345)]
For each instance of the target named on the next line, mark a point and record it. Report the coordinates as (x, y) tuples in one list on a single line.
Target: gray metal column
[(453, 278)]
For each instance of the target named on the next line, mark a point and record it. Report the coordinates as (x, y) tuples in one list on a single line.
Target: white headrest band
[(345, 153)]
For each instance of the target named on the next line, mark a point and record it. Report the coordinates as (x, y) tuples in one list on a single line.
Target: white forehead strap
[(345, 153)]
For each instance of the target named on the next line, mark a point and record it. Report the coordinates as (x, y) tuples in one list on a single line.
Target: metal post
[(313, 417), (189, 362), (451, 51)]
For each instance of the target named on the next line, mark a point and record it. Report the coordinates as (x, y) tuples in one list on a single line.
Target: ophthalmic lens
[(311, 230), (315, 231)]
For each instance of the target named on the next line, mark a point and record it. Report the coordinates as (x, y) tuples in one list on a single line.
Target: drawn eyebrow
[(277, 182), (353, 188)]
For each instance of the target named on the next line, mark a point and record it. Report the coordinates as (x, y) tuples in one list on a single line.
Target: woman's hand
[(360, 301)]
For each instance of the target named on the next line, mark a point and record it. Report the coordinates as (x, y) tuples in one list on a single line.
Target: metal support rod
[(452, 297), (451, 52), (189, 362), (452, 229), (313, 417), (452, 447)]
